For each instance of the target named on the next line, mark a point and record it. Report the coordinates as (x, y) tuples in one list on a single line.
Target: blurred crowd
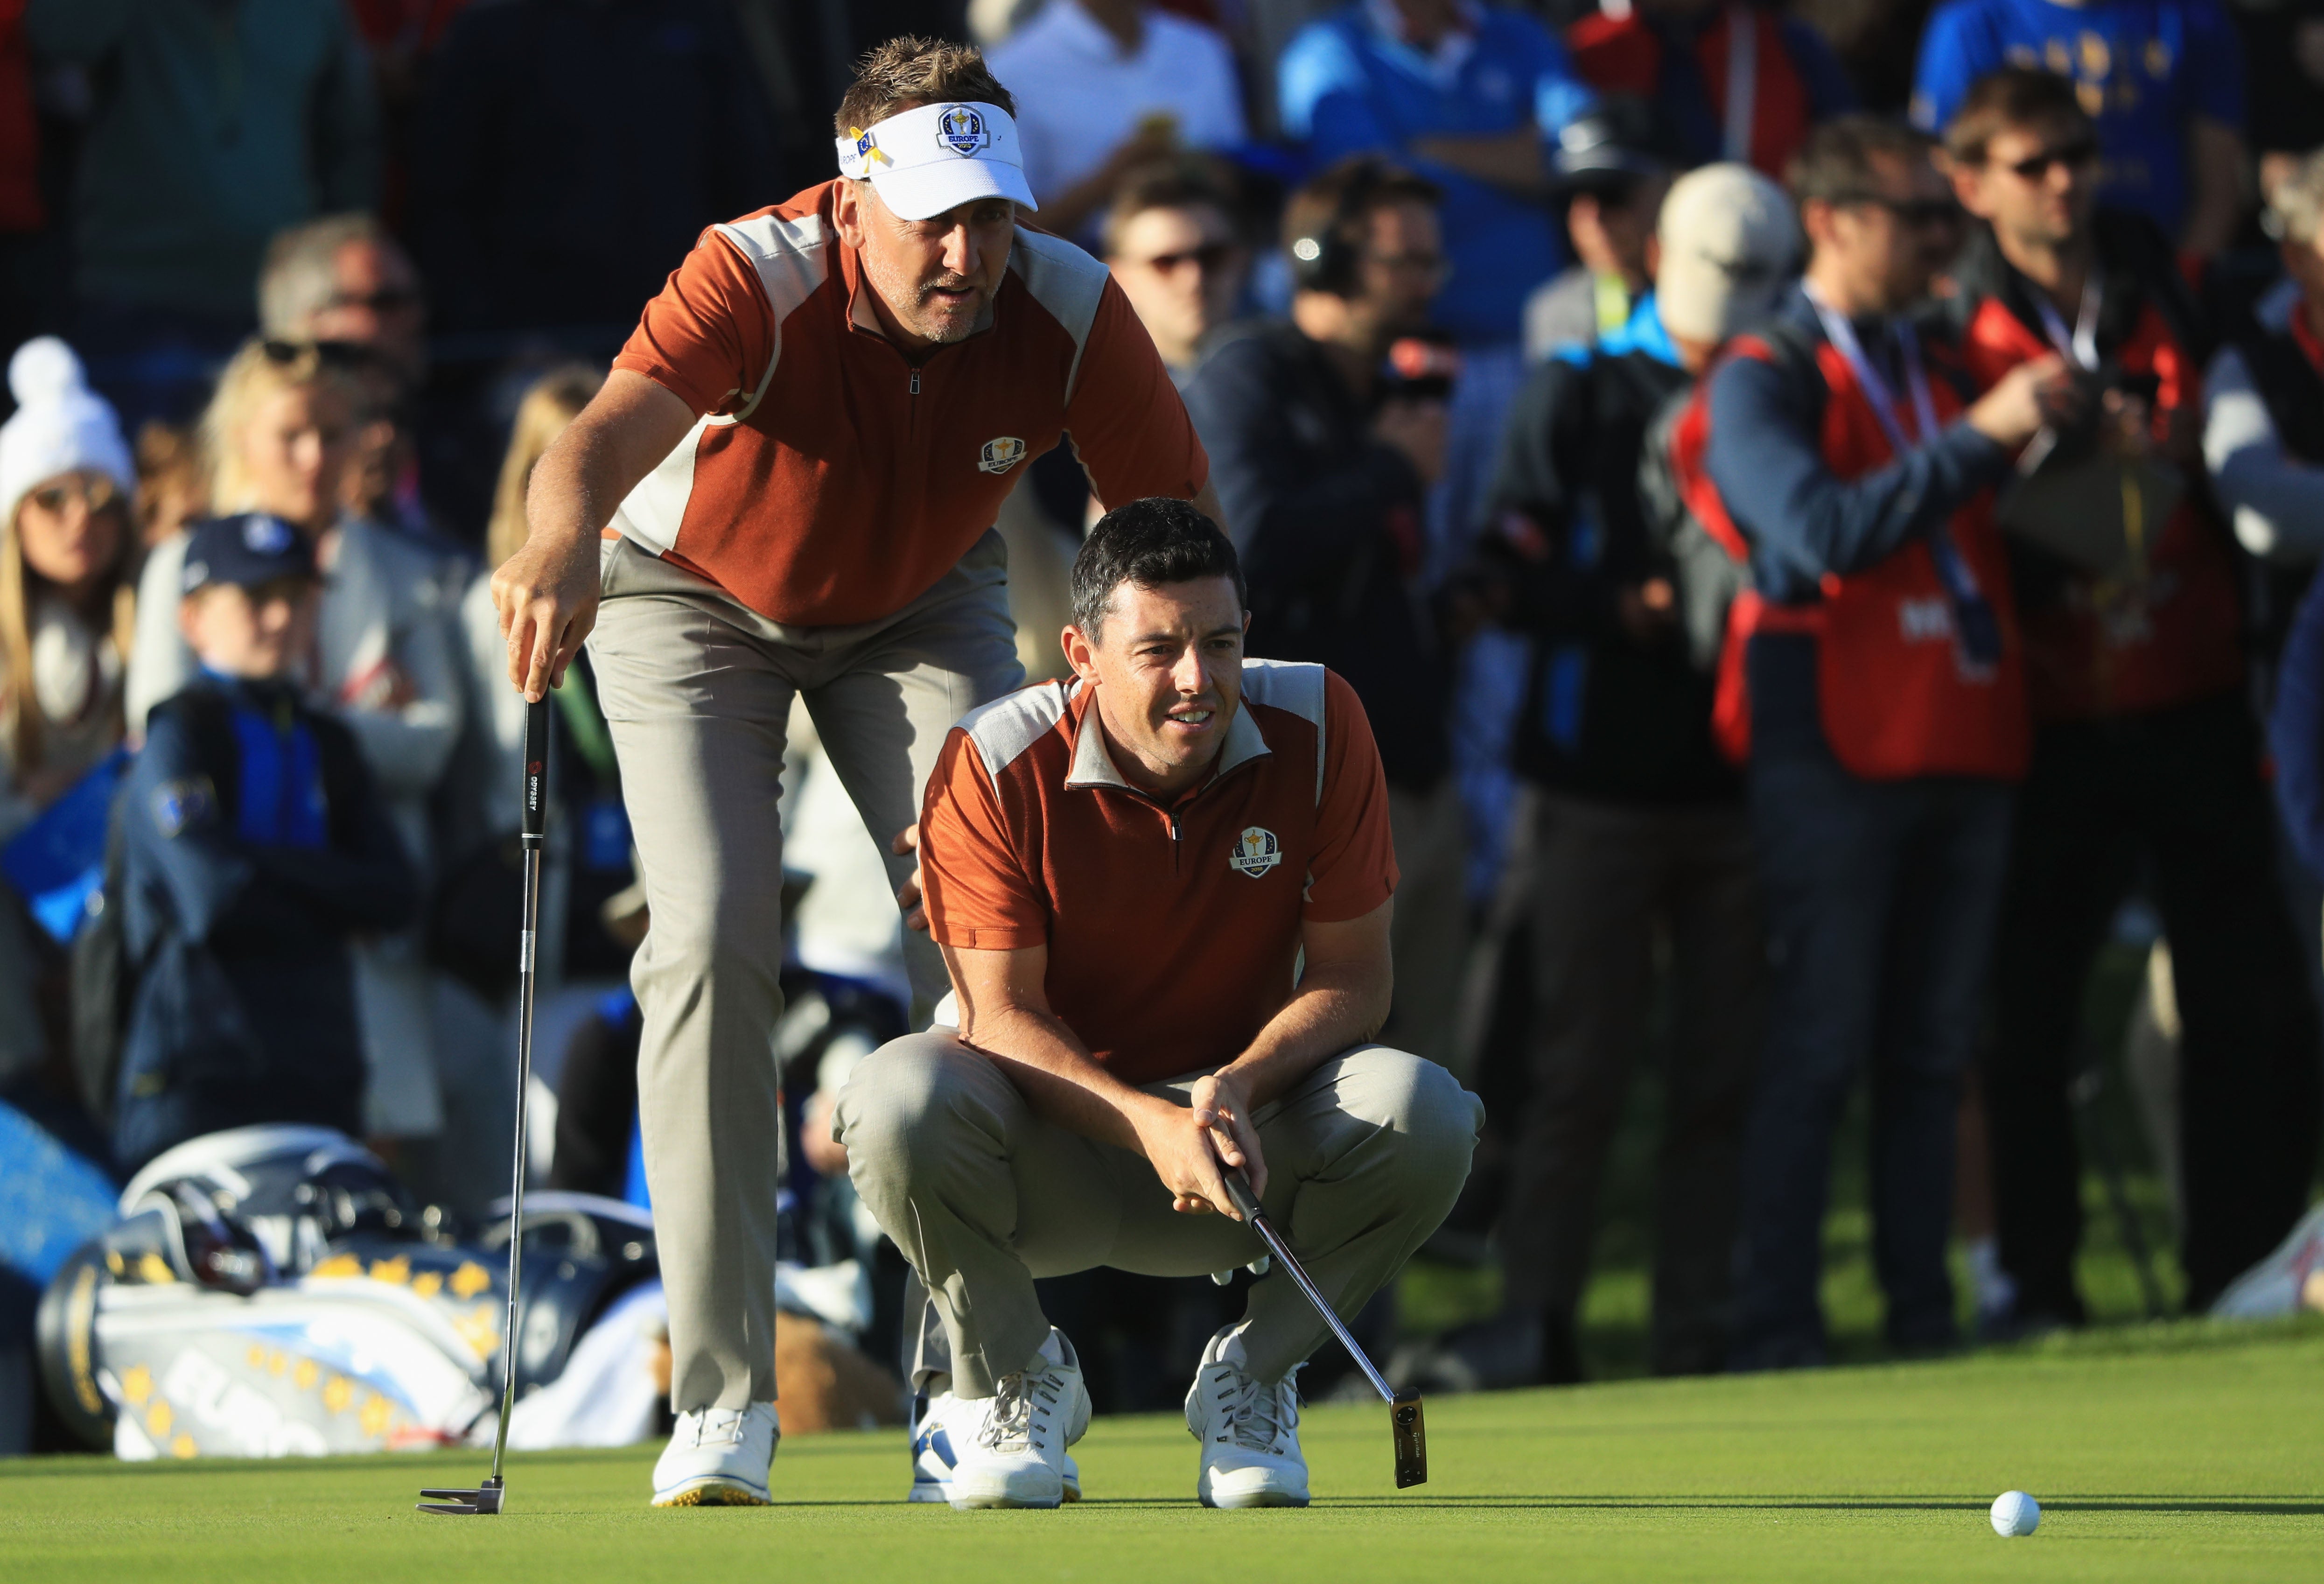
[(1490, 318)]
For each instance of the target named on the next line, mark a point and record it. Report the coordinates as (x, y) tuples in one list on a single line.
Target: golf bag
[(274, 1290)]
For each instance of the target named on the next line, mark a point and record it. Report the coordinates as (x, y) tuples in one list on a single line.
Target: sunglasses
[(332, 354), (1212, 256), (2077, 155), (386, 300), (1919, 214), (96, 494)]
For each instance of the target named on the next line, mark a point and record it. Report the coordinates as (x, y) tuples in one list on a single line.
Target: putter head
[(484, 1501), (1411, 1439)]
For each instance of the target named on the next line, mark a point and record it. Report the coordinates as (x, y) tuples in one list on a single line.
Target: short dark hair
[(1150, 542), (1340, 200), (1166, 184), (2014, 96), (907, 72), (1839, 162)]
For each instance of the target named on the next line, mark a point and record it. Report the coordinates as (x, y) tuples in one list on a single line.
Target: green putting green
[(2189, 1451)]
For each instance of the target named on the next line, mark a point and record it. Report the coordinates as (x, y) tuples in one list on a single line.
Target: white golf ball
[(2016, 1513)]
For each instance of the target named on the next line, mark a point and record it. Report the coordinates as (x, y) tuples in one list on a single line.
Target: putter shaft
[(485, 1499), (1406, 1422)]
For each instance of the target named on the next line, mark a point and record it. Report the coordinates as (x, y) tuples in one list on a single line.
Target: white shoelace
[(719, 1424), (1259, 1417), (1020, 1399)]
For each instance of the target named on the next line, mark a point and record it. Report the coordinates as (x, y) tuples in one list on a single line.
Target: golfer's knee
[(1428, 1123), (907, 1106)]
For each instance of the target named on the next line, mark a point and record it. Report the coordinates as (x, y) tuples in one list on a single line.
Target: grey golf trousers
[(1364, 1159), (697, 689)]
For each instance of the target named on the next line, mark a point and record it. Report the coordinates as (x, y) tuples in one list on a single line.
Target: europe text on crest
[(1256, 851), (961, 130), (1001, 454)]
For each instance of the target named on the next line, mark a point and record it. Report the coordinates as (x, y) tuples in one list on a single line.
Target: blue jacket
[(254, 843), (1346, 88)]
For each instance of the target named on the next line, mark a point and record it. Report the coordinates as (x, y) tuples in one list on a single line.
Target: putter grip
[(536, 767), (1239, 1193)]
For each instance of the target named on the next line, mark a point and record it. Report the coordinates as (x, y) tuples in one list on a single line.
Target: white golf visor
[(924, 162)]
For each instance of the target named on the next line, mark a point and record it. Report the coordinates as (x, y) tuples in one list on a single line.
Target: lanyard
[(2082, 346), (1742, 82), (1842, 336)]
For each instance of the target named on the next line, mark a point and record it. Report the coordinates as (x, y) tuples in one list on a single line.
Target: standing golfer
[(1163, 895), (800, 454)]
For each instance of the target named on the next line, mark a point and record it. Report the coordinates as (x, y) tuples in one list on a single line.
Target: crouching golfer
[(1163, 893)]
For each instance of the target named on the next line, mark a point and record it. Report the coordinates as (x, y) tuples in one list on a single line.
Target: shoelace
[(1259, 1417), (719, 1424), (1010, 1425)]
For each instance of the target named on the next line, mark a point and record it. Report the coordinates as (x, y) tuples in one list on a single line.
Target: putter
[(1404, 1418), (485, 1499)]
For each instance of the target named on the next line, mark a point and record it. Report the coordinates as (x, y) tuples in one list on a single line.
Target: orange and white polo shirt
[(1173, 930), (827, 480)]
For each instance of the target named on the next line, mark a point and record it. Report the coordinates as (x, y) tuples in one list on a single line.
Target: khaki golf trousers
[(1364, 1158), (697, 689)]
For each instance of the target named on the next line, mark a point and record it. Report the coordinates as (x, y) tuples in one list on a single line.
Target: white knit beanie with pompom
[(60, 426)]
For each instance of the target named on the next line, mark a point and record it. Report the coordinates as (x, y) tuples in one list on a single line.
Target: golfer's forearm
[(1055, 1073), (1326, 1014), (575, 489)]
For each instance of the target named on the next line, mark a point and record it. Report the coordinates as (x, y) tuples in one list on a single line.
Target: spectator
[(1321, 464), (280, 433), (1468, 96), (1641, 832), (1878, 649), (343, 278), (1169, 237), (2264, 415), (2284, 50), (172, 485), (536, 210), (215, 128), (254, 847), (66, 548), (2145, 759), (2162, 79), (1728, 79), (1106, 86), (1612, 179), (554, 400)]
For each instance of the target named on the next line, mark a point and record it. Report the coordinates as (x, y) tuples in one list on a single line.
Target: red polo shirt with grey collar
[(1173, 929), (827, 480)]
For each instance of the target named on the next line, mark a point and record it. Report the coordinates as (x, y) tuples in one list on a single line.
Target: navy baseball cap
[(247, 550)]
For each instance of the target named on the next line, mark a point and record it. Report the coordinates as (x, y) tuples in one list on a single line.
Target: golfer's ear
[(1078, 653)]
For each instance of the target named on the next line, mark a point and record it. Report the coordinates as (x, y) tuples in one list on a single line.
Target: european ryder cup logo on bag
[(1001, 455), (1256, 851), (962, 131)]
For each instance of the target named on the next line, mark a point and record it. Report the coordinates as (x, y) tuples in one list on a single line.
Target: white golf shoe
[(1250, 1432), (718, 1458), (1009, 1450), (932, 1453)]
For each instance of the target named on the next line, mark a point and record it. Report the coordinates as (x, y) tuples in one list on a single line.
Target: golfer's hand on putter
[(1189, 1146), (547, 597)]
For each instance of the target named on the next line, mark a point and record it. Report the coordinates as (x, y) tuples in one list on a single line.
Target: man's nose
[(1187, 675), (962, 255)]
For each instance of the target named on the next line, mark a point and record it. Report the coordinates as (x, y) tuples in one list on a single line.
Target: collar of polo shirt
[(925, 161)]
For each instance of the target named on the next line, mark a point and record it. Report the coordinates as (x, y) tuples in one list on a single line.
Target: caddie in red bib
[(1872, 681)]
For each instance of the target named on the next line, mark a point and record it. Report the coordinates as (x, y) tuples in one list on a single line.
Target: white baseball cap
[(925, 161), (1730, 243)]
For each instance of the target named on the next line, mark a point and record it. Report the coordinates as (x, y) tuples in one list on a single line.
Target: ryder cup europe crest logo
[(961, 130), (1256, 851), (1001, 454)]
